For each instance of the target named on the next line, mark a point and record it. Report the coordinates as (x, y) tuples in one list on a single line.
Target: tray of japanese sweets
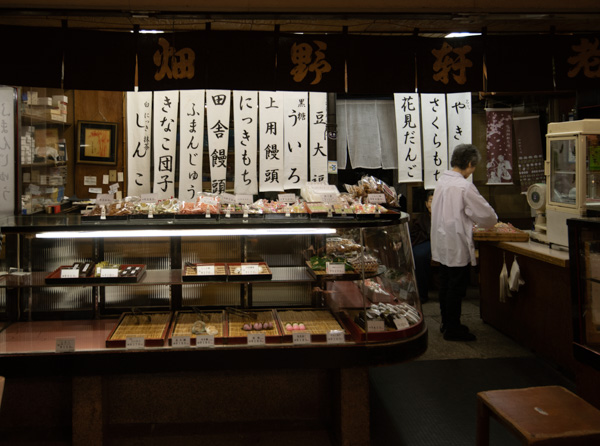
[(241, 323), (151, 326), (204, 272), (501, 232), (317, 322), (199, 323), (383, 322), (90, 272), (242, 272)]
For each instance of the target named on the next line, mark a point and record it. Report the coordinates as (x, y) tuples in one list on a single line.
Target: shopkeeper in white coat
[(457, 206)]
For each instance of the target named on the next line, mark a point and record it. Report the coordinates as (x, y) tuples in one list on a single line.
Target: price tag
[(65, 345), (403, 294), (287, 198), (335, 268), (69, 273), (376, 198), (228, 198), (149, 198), (109, 272), (249, 268), (375, 326), (329, 198), (401, 323), (104, 199), (205, 270), (244, 199), (301, 337), (205, 340), (256, 339), (180, 341), (335, 337), (134, 342)]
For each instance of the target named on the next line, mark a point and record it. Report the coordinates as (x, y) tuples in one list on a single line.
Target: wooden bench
[(544, 416)]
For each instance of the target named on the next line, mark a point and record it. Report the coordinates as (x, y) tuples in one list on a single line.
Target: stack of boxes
[(54, 108), (27, 144)]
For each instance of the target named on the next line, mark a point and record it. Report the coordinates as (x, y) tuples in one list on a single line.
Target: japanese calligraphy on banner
[(245, 120), (271, 141), (295, 159), (7, 151), (499, 145), (435, 139), (408, 136), (318, 137), (166, 104), (576, 60), (460, 122), (529, 149), (217, 125), (191, 143), (139, 142)]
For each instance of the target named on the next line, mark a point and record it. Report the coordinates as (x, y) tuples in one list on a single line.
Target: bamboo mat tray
[(153, 327), (234, 271), (183, 322), (317, 322), (123, 277), (190, 273), (237, 335)]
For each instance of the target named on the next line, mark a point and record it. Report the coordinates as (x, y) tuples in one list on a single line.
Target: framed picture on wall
[(97, 142)]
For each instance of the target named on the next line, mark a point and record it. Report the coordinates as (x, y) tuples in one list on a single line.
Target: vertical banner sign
[(529, 149), (191, 143), (245, 125), (408, 135), (139, 143), (499, 145), (271, 141), (7, 151), (460, 125), (165, 142), (217, 125), (435, 137), (295, 160), (318, 137)]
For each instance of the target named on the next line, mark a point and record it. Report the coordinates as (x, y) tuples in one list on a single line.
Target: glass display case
[(584, 250), (207, 281), (572, 171)]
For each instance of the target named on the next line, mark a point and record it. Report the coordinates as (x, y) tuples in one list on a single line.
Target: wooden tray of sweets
[(321, 273), (126, 274), (191, 270), (236, 334), (183, 325), (152, 326), (389, 334), (234, 272), (317, 322), (501, 232)]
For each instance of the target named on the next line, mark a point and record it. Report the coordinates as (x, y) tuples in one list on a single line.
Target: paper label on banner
[(134, 342), (181, 341), (205, 270), (332, 167), (335, 268), (251, 269), (205, 340), (335, 337), (301, 338), (89, 181), (69, 273), (375, 326), (65, 345), (109, 272), (139, 138), (257, 339)]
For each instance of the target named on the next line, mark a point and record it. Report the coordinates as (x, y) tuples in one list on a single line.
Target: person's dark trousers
[(422, 255), (453, 288)]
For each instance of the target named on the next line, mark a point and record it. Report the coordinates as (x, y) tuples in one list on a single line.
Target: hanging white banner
[(139, 143), (7, 151), (271, 141), (435, 137), (217, 125), (166, 104), (295, 160), (191, 143), (459, 121), (245, 124), (408, 135), (318, 137)]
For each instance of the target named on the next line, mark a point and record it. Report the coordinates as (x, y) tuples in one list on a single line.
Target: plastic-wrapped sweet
[(168, 206), (371, 185)]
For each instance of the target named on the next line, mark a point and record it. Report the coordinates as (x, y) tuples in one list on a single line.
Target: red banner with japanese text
[(499, 146)]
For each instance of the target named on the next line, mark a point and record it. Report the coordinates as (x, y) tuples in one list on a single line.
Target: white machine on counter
[(572, 172), (536, 198)]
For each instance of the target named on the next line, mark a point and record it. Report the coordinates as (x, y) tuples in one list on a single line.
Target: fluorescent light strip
[(184, 232)]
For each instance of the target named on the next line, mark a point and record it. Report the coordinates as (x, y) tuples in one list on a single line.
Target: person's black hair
[(429, 193), (465, 155)]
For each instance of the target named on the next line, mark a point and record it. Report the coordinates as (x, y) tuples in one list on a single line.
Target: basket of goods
[(152, 327), (241, 323), (199, 323)]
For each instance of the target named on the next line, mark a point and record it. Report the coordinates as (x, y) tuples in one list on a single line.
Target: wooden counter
[(538, 315)]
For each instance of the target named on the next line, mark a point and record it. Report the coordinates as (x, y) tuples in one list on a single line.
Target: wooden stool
[(540, 416)]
